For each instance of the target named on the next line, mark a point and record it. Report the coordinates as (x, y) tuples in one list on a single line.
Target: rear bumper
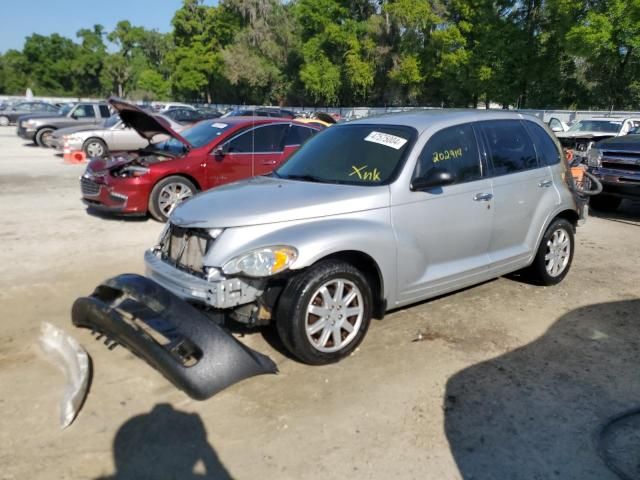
[(191, 350)]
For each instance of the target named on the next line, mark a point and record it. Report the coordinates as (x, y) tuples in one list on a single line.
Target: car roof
[(423, 119)]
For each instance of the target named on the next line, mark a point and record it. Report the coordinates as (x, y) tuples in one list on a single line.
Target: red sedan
[(213, 152)]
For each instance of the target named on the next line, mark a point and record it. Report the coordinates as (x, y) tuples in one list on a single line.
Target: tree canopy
[(457, 53)]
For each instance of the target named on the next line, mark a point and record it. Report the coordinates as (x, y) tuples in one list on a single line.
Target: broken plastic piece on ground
[(191, 350), (69, 356)]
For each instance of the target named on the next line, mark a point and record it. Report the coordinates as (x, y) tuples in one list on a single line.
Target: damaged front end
[(189, 348)]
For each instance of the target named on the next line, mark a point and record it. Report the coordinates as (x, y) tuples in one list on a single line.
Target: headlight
[(262, 262), (594, 157), (29, 123), (71, 139), (132, 171)]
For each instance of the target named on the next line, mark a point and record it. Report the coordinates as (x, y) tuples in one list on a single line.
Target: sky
[(21, 18)]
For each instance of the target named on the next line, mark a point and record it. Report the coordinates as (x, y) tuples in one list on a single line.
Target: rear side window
[(104, 111), (509, 146), (260, 140), (298, 135), (454, 149), (548, 153)]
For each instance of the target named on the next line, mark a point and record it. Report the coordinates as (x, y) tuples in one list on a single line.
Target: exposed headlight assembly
[(594, 157), (262, 262), (132, 171)]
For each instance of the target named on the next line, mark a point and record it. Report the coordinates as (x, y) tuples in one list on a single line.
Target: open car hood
[(148, 126)]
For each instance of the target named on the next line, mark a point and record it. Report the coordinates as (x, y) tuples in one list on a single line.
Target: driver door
[(443, 233), (253, 152)]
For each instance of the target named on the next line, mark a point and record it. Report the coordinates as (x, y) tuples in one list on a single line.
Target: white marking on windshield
[(219, 125), (386, 139)]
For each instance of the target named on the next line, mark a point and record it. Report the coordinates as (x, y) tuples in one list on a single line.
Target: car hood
[(584, 134), (629, 143), (36, 116), (262, 200), (148, 126), (75, 129)]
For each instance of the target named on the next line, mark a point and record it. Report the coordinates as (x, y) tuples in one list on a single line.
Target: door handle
[(269, 162), (483, 197), (545, 183)]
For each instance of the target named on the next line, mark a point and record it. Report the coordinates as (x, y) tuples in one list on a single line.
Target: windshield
[(65, 109), (199, 135), (604, 126), (111, 121), (354, 154)]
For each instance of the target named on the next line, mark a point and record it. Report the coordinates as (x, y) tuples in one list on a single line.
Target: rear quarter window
[(546, 148)]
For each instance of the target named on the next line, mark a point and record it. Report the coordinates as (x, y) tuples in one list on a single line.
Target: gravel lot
[(510, 380)]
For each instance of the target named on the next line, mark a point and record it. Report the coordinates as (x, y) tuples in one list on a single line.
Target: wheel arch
[(570, 215), (191, 178), (370, 268)]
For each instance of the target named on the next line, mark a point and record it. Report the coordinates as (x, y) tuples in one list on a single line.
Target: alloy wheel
[(171, 195), (95, 149), (558, 252), (334, 315)]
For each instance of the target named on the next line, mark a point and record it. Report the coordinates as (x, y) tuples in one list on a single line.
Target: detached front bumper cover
[(193, 352)]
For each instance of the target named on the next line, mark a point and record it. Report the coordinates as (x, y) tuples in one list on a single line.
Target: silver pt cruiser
[(369, 216)]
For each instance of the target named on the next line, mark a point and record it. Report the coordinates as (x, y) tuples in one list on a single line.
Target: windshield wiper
[(304, 178)]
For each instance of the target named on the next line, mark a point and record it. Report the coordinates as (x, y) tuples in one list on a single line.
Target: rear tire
[(555, 254), (42, 136), (167, 194), (605, 203), (324, 312), (95, 148)]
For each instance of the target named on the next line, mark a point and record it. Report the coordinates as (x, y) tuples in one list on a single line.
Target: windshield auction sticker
[(219, 125), (386, 139)]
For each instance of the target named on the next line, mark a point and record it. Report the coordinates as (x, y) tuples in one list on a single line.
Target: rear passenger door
[(523, 191)]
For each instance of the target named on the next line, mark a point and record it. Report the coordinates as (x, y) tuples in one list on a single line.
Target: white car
[(114, 136)]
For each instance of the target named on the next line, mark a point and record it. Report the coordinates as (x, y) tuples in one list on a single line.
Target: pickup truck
[(39, 127), (616, 163)]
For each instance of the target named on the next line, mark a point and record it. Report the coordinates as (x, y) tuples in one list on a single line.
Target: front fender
[(367, 232)]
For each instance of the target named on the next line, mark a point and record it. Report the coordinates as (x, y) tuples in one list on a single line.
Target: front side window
[(266, 139), (84, 111), (356, 154), (509, 146), (548, 153), (454, 149)]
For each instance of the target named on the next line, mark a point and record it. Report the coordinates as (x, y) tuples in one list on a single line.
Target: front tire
[(325, 312), (4, 121), (95, 148), (42, 137), (167, 194), (555, 254)]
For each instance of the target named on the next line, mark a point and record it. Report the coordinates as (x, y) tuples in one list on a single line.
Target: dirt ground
[(509, 381)]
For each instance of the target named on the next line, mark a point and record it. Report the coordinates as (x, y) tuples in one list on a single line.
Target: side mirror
[(221, 151), (435, 177), (557, 128)]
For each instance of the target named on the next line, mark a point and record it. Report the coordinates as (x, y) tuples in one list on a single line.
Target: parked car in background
[(582, 135), (113, 136), (260, 112), (10, 115), (208, 113), (367, 216), (183, 116), (170, 105), (38, 128), (557, 126), (616, 163), (208, 154)]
